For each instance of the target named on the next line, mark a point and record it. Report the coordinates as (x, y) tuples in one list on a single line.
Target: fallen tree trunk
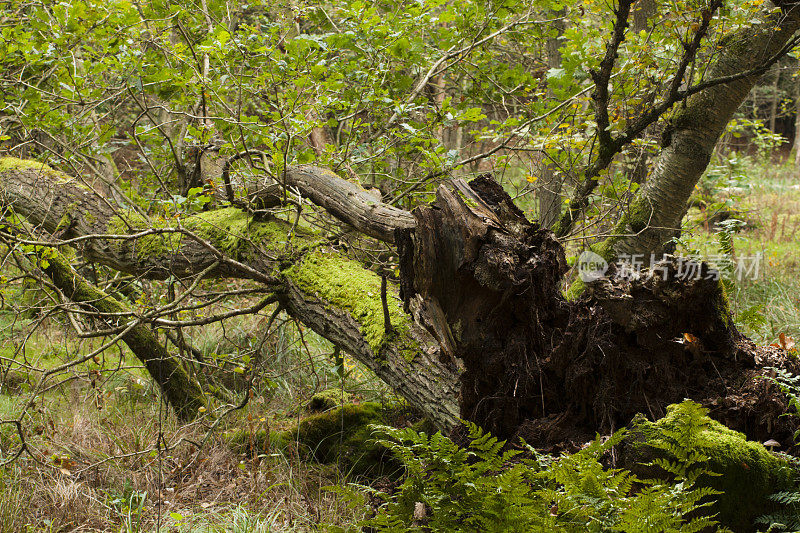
[(481, 287), (335, 296)]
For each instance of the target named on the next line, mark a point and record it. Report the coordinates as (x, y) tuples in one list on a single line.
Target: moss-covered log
[(344, 435), (335, 296), (179, 390)]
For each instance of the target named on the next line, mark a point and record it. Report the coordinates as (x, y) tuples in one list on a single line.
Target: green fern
[(788, 517), (485, 487)]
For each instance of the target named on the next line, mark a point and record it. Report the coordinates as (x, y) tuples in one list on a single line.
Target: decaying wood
[(493, 340), (556, 371), (345, 200)]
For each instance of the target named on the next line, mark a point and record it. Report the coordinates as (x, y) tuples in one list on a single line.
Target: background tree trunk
[(549, 191), (797, 125), (643, 13), (774, 99), (655, 213)]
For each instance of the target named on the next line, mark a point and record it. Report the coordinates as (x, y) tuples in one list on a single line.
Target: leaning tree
[(478, 326)]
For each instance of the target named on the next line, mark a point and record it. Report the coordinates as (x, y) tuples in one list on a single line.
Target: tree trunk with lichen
[(549, 191), (688, 140)]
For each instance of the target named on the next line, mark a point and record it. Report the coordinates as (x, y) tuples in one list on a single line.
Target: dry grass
[(91, 471), (769, 202), (96, 461)]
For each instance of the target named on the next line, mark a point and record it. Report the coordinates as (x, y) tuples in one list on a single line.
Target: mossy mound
[(341, 435), (746, 471), (328, 399)]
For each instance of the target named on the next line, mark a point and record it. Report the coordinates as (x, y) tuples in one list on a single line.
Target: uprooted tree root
[(486, 283)]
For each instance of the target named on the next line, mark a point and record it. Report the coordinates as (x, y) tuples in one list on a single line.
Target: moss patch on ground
[(328, 399), (342, 435), (746, 471)]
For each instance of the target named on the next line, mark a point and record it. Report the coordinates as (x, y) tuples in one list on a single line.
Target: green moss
[(238, 235), (145, 247), (228, 229), (633, 221), (469, 202), (722, 307), (575, 289), (66, 219), (328, 399), (342, 283), (409, 349), (341, 435), (748, 473), (13, 163), (348, 285), (604, 249), (231, 230)]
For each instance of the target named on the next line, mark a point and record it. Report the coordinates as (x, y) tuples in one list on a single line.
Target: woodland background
[(194, 324)]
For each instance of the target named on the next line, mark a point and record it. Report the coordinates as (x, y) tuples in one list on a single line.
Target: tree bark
[(796, 146), (774, 99), (549, 186), (180, 392), (688, 140), (643, 11), (335, 296)]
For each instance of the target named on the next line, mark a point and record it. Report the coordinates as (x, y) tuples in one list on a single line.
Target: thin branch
[(610, 145), (602, 77), (216, 318)]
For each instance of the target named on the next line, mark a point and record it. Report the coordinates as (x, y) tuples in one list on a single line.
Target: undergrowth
[(487, 487), (787, 518)]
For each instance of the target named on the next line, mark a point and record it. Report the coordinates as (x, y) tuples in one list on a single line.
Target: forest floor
[(104, 455)]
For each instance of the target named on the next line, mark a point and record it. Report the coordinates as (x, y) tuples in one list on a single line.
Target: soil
[(487, 283)]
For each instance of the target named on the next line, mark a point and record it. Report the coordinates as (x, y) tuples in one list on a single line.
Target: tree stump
[(487, 283)]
